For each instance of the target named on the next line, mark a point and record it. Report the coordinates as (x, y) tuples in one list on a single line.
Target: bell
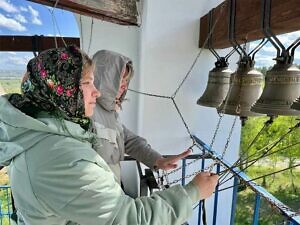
[(245, 88), (217, 87), (281, 89), (296, 104)]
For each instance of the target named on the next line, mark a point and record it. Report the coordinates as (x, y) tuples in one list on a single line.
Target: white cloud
[(23, 9), (11, 24), (268, 52), (269, 49), (264, 60), (35, 17), (289, 38), (20, 18), (15, 60), (52, 35), (8, 7)]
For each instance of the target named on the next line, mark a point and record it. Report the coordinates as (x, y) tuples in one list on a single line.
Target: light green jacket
[(57, 178)]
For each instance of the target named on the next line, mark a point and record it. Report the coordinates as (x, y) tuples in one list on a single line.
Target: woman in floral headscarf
[(56, 177)]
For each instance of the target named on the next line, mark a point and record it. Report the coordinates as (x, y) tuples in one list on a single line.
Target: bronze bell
[(282, 88), (245, 88), (217, 87), (296, 104)]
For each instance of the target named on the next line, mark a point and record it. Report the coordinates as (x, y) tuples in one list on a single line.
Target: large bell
[(282, 88), (296, 104), (217, 87), (245, 88)]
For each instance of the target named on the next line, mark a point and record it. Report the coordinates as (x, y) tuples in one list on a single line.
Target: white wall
[(163, 50)]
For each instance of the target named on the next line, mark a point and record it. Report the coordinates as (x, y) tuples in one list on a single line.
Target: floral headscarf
[(51, 84)]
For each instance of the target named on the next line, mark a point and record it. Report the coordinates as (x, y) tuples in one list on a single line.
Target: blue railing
[(289, 215)]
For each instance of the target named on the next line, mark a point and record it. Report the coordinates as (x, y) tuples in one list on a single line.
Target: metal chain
[(181, 116), (149, 94), (91, 35), (210, 167), (240, 160), (216, 130)]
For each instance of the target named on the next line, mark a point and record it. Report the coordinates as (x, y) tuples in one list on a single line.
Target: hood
[(109, 66), (19, 132)]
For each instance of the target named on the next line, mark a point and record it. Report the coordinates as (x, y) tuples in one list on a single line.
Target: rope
[(260, 177), (259, 157), (266, 125), (149, 94), (55, 24), (273, 144)]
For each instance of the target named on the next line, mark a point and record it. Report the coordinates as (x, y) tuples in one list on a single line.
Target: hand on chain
[(206, 183), (170, 162)]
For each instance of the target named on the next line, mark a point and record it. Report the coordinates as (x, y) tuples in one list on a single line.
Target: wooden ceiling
[(123, 12), (34, 43)]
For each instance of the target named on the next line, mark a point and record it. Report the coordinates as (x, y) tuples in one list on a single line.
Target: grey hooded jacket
[(116, 138), (58, 179)]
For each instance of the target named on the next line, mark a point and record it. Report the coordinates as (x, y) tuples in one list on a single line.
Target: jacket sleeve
[(138, 148), (83, 190)]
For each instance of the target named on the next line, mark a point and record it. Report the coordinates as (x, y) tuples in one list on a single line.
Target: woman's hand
[(170, 162), (206, 183)]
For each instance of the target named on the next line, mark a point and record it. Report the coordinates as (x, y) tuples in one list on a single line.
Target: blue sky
[(268, 52), (19, 17)]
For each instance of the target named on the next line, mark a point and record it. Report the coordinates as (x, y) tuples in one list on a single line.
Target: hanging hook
[(258, 47), (210, 22), (293, 47), (221, 61), (229, 54), (282, 53), (232, 39)]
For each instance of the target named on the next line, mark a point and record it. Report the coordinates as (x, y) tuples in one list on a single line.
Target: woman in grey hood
[(112, 75)]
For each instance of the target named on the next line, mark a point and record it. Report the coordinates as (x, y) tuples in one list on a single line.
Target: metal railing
[(289, 215)]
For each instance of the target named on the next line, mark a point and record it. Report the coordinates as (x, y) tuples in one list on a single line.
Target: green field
[(11, 85), (280, 185)]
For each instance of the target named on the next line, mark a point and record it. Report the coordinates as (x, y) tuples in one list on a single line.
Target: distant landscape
[(11, 74)]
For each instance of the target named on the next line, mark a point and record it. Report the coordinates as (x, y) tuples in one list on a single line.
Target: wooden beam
[(285, 18), (33, 43), (123, 12)]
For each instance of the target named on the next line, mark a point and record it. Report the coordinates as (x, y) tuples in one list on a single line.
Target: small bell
[(245, 88), (217, 87)]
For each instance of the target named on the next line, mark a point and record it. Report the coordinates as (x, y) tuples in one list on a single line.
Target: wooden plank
[(285, 18), (221, 15), (123, 12), (26, 43)]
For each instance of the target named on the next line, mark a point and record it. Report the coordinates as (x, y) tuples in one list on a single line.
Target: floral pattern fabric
[(51, 84)]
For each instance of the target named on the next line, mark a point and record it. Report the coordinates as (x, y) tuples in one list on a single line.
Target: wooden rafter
[(285, 18), (123, 12), (33, 43)]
